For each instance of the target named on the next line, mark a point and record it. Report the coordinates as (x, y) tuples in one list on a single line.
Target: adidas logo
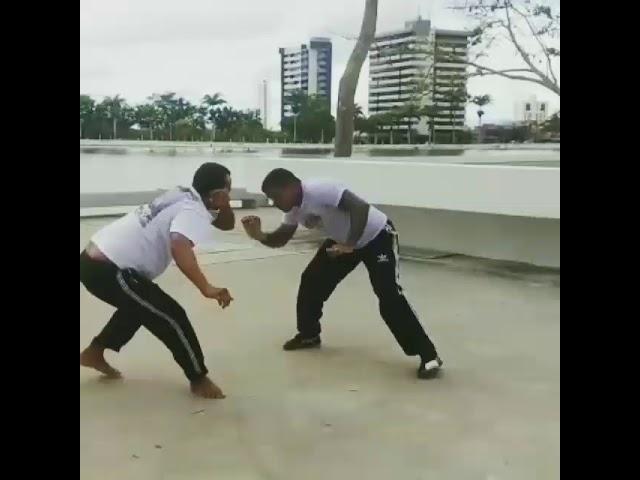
[(382, 258)]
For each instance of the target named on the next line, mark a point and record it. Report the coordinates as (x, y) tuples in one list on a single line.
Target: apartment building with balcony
[(306, 68), (422, 66)]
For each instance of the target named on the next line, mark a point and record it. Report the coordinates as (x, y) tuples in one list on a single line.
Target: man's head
[(284, 188), (212, 181)]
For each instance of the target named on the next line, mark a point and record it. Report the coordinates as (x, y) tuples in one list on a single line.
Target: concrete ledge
[(240, 198), (504, 190), (529, 240), (97, 212), (120, 210)]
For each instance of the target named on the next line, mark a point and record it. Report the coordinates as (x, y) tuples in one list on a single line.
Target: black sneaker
[(429, 369), (299, 342)]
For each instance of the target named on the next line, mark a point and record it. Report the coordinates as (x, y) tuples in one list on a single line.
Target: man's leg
[(382, 261), (317, 283), (99, 278), (165, 319), (118, 331), (140, 301), (168, 322)]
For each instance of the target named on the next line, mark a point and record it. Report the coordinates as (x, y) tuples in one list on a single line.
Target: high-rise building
[(420, 65), (532, 111), (307, 69)]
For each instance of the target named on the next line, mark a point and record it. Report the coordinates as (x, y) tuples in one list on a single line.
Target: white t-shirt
[(319, 209), (141, 240)]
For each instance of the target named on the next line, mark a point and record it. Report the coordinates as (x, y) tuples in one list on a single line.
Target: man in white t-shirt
[(357, 232), (122, 260)]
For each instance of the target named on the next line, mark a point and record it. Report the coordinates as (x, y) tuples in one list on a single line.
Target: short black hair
[(278, 178), (210, 176)]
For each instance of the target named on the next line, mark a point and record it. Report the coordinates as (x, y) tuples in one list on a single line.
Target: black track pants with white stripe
[(381, 258), (140, 302)]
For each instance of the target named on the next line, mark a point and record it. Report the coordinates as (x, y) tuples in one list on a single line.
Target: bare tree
[(532, 28), (349, 81)]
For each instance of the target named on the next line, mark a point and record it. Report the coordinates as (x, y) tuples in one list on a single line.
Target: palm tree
[(359, 120), (409, 111), (213, 100), (388, 118), (166, 103), (430, 111), (357, 111), (87, 108), (299, 101), (210, 105), (113, 107), (148, 116), (127, 118), (480, 101)]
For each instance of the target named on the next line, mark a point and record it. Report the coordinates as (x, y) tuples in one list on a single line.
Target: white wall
[(498, 212), (139, 173), (504, 190), (535, 241)]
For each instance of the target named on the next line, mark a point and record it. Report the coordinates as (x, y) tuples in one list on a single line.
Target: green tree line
[(173, 118), (170, 117)]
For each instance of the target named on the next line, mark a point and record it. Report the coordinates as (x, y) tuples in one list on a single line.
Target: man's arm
[(276, 239), (182, 252), (279, 237), (358, 211), (226, 219)]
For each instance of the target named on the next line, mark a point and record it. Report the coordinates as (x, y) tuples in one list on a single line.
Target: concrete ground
[(352, 408)]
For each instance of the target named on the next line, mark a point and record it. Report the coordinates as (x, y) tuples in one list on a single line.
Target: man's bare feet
[(205, 388), (93, 357)]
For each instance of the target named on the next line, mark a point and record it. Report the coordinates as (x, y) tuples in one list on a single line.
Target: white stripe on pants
[(128, 291)]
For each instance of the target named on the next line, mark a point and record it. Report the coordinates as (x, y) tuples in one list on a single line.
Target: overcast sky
[(137, 47)]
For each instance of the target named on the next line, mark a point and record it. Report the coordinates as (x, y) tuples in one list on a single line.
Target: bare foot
[(93, 357), (205, 388)]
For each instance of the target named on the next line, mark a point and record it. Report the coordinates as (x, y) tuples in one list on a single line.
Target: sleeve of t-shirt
[(324, 193), (193, 225)]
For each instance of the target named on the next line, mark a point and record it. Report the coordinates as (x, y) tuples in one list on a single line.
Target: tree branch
[(350, 37), (508, 70), (543, 47), (525, 56), (491, 71), (486, 14)]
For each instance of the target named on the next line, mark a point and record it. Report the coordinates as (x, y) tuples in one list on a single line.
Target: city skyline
[(135, 49)]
